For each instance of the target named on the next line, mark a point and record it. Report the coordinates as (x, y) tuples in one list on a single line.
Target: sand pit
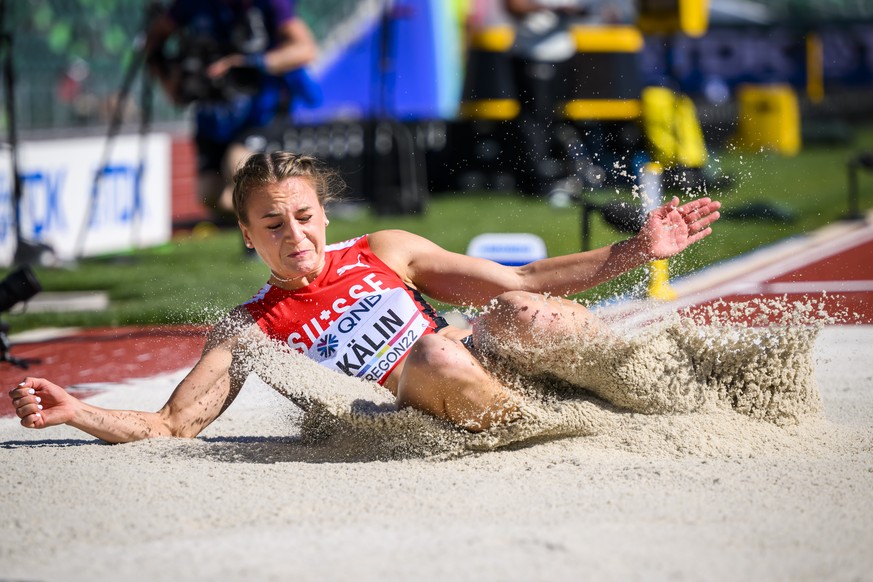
[(772, 481)]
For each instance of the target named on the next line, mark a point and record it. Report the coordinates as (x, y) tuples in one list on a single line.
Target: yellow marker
[(659, 281), (659, 272), (814, 68)]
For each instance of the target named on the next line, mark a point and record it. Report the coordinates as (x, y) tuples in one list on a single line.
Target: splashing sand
[(681, 367), (681, 371)]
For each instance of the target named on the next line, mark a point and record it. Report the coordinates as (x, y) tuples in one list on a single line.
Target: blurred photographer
[(241, 63)]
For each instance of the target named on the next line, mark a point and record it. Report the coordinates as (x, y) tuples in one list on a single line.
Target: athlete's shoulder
[(396, 236), (342, 245), (237, 322), (390, 234), (260, 296), (398, 245)]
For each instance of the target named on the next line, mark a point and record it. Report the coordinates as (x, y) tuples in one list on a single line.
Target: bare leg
[(215, 188), (441, 377), (209, 187), (235, 156), (518, 324), (536, 335)]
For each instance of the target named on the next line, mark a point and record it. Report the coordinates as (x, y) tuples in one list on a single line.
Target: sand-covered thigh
[(710, 493)]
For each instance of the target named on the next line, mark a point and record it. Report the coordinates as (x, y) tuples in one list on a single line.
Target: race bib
[(371, 336)]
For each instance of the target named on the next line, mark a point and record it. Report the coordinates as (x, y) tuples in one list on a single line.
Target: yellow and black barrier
[(604, 79), (689, 17), (673, 130), (489, 86), (651, 193)]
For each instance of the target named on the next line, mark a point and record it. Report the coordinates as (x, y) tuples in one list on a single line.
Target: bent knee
[(435, 354), (523, 316), (517, 313), (435, 367)]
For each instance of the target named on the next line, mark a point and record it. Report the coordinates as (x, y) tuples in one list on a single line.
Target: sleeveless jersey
[(358, 317)]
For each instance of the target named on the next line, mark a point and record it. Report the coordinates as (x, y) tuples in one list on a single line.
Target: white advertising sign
[(66, 208)]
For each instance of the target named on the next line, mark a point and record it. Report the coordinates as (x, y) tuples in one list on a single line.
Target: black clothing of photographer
[(241, 63), (543, 42)]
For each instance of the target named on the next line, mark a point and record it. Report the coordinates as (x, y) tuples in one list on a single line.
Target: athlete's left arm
[(296, 48), (463, 280)]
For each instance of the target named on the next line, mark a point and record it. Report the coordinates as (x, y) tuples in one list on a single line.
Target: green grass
[(195, 279)]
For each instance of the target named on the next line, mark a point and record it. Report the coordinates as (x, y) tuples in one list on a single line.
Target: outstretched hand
[(670, 229), (40, 403)]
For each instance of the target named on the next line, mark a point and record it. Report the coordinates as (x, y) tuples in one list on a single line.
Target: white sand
[(709, 494)]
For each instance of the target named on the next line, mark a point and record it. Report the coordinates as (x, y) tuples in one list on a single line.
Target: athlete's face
[(286, 226)]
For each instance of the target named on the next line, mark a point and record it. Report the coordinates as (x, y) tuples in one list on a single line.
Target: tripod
[(397, 184), (134, 66), (6, 347), (26, 252)]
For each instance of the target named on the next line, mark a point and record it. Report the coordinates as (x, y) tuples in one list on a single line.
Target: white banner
[(64, 207)]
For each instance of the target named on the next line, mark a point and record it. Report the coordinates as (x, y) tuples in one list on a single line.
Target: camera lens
[(20, 285)]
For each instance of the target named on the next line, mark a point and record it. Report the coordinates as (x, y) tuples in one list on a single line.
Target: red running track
[(837, 274), (103, 355)]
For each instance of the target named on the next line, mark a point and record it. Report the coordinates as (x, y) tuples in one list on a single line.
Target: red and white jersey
[(358, 317)]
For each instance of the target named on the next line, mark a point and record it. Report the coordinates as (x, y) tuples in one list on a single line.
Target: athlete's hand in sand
[(671, 228), (39, 403)]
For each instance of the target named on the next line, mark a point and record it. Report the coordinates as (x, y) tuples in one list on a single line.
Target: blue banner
[(731, 56)]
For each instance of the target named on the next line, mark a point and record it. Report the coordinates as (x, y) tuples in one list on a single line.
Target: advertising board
[(80, 204)]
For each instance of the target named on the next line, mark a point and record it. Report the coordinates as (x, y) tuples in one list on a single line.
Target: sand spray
[(728, 363)]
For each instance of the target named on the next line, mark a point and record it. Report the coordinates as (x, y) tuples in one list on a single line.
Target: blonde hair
[(261, 170)]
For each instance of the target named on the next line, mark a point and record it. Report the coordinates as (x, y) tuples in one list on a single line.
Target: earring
[(326, 222)]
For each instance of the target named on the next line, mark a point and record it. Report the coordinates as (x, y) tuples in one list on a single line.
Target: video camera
[(196, 50), (19, 286), (195, 85)]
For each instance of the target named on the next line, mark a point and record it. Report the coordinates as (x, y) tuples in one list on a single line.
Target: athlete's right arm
[(199, 399)]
